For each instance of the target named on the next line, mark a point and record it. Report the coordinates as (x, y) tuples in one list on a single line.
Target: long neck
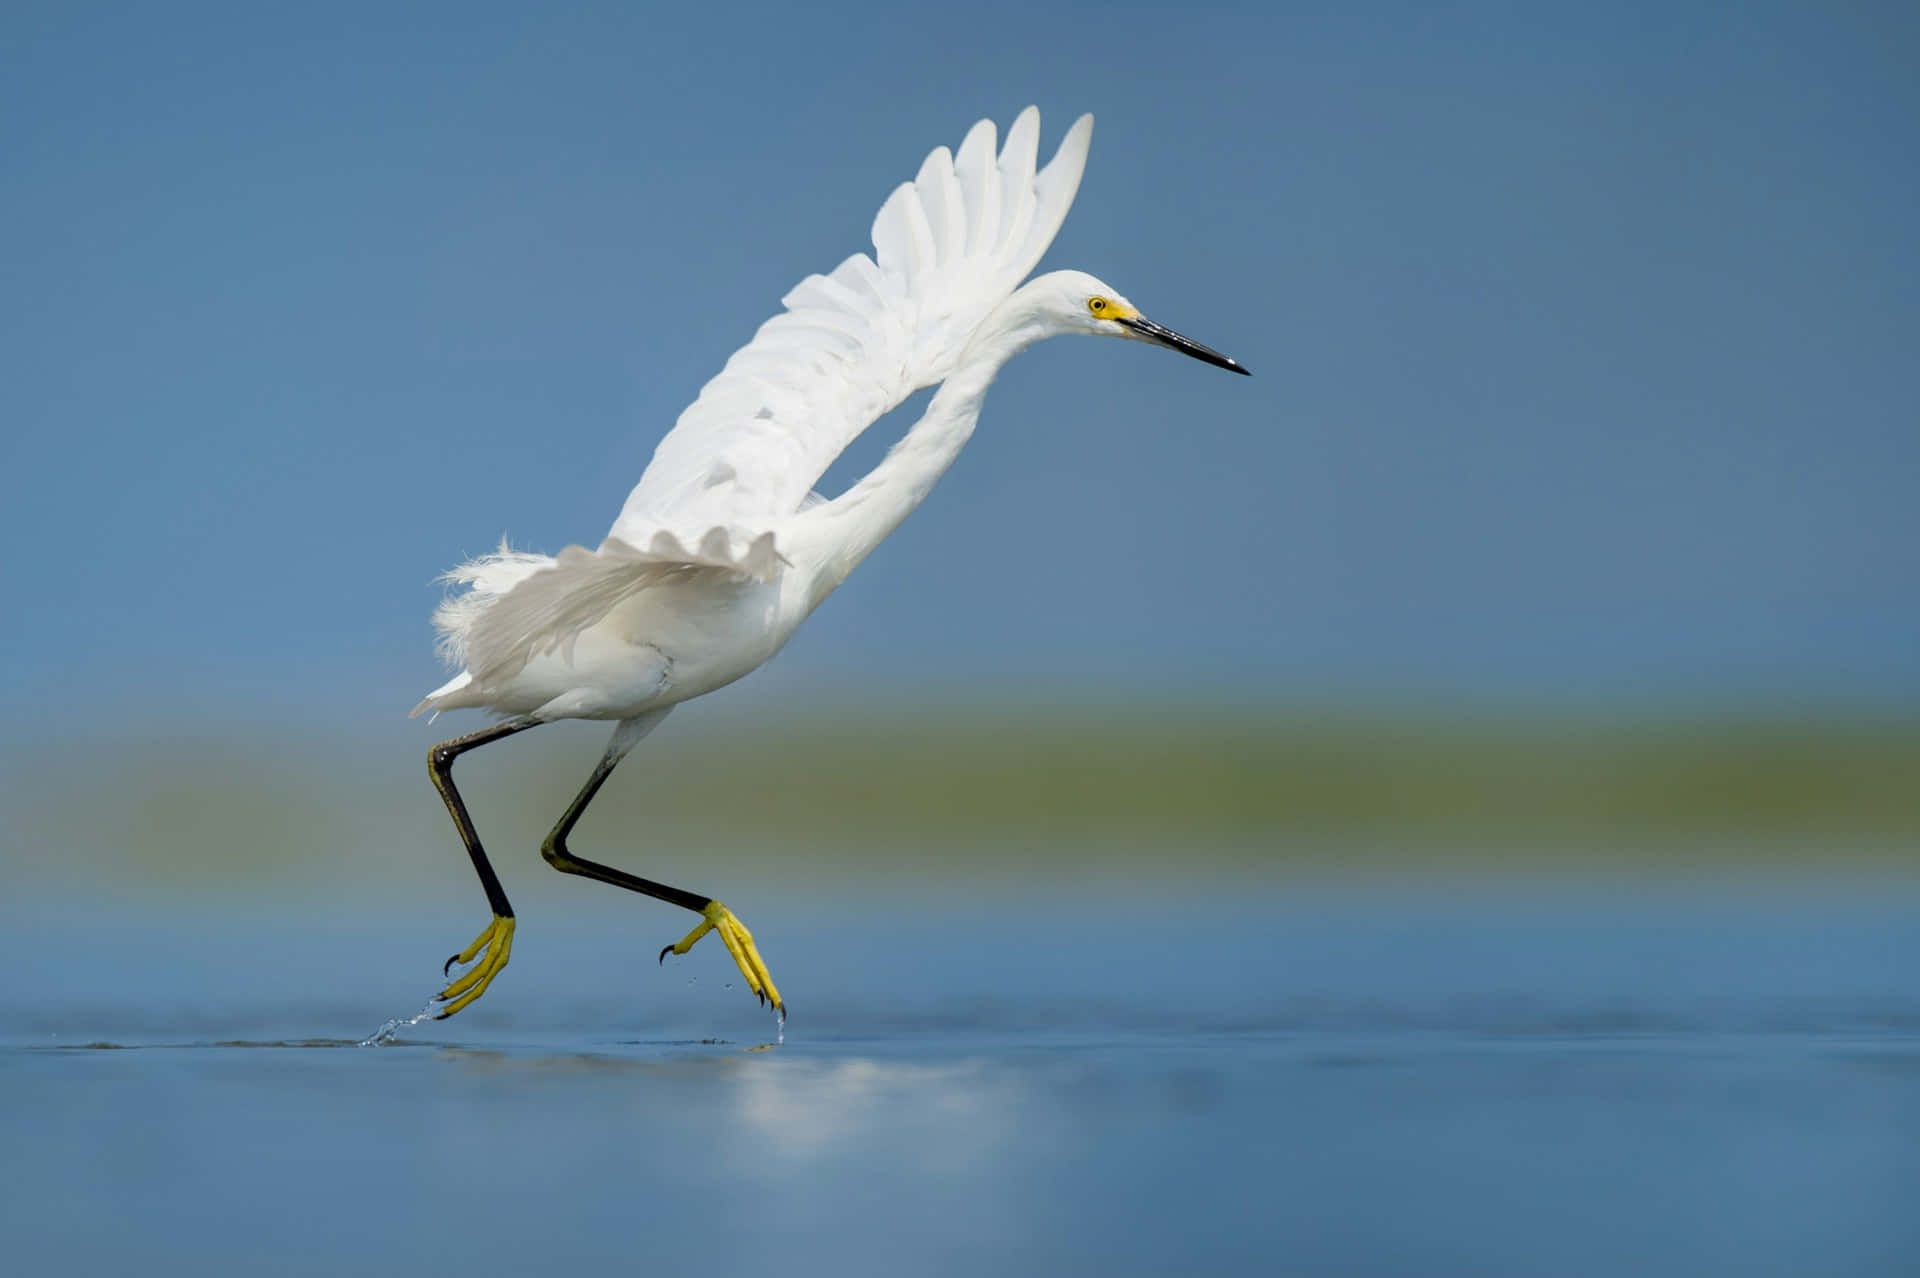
[(849, 528)]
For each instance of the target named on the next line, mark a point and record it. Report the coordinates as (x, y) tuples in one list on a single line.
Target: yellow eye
[(1097, 305)]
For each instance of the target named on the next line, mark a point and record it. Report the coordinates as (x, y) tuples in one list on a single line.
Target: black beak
[(1146, 328)]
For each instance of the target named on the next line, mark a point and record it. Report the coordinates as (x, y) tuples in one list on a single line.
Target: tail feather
[(520, 605), (487, 578)]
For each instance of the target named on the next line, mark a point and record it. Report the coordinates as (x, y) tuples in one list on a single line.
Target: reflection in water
[(949, 1116)]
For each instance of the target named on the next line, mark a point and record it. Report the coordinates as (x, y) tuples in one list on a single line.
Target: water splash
[(386, 1033)]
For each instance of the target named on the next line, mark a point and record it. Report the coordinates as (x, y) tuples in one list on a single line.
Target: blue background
[(1582, 338)]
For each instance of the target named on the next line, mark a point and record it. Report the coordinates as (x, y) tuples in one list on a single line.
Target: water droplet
[(391, 1030)]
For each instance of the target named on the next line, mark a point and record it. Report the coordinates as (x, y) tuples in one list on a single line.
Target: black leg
[(494, 945), (554, 849), (713, 915), (440, 766)]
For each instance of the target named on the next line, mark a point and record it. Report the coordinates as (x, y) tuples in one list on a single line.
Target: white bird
[(722, 549)]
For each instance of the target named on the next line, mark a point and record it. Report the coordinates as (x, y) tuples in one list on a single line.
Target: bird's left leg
[(714, 917), (495, 943)]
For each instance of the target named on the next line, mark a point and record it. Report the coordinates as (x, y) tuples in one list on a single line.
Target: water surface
[(1319, 1084)]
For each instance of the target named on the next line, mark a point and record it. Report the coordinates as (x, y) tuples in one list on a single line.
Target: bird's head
[(1077, 302)]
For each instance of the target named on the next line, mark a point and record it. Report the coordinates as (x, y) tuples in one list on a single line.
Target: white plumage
[(852, 345), (722, 548)]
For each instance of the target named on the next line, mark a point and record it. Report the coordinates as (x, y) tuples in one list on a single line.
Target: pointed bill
[(1146, 330)]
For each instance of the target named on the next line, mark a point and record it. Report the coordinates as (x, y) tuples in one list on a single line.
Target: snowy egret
[(722, 549)]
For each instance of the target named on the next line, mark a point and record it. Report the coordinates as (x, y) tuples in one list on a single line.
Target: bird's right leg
[(494, 945), (714, 917)]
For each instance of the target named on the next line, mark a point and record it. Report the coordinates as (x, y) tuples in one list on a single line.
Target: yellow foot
[(497, 943), (739, 942)]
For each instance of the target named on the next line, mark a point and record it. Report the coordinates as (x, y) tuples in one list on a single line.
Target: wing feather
[(946, 211), (849, 346), (948, 247), (1017, 162), (979, 184)]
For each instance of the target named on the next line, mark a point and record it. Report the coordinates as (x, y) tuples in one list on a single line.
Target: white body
[(663, 645), (722, 551)]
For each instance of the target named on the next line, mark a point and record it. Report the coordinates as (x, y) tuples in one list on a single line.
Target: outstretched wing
[(949, 246)]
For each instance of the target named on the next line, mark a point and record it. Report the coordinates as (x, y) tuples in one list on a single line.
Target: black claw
[(448, 965), (664, 951)]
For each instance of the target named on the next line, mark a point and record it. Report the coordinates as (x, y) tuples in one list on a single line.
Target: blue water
[(1328, 1084)]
